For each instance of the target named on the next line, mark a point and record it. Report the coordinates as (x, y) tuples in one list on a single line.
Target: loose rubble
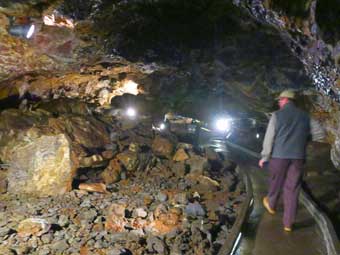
[(150, 195)]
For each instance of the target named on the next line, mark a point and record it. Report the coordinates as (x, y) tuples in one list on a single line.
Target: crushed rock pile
[(136, 193)]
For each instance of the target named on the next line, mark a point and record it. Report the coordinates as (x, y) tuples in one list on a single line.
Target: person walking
[(284, 146)]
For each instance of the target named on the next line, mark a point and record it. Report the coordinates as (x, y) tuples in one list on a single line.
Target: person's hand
[(261, 163)]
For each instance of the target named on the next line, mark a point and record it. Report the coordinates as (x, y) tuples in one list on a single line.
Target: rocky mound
[(77, 183)]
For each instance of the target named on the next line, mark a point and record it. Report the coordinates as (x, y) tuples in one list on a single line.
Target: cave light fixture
[(223, 124), (25, 30), (160, 127), (131, 112)]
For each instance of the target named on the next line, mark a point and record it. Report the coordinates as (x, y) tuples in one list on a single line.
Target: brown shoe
[(287, 229), (267, 206)]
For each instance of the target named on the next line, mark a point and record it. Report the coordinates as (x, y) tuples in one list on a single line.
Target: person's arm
[(317, 131), (268, 139)]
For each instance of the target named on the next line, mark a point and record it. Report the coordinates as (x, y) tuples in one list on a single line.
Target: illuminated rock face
[(40, 166), (43, 152)]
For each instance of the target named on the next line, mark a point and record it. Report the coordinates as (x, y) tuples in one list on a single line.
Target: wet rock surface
[(140, 200), (321, 182)]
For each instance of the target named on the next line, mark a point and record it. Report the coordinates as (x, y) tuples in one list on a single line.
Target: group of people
[(284, 147)]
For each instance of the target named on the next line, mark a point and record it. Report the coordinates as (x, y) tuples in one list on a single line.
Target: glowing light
[(22, 30), (257, 135), (30, 31), (162, 126), (131, 112), (130, 87), (223, 124)]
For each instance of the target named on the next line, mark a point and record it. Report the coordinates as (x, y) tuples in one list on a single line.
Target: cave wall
[(231, 56)]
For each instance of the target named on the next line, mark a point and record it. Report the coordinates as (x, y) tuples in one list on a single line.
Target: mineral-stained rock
[(33, 226), (115, 220), (93, 187), (180, 155), (112, 172), (18, 58), (40, 165), (4, 23), (162, 147), (129, 160), (166, 220)]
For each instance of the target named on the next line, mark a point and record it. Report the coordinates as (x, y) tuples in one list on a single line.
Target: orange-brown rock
[(32, 226), (166, 222), (93, 187), (115, 220), (84, 250), (129, 160), (4, 23), (180, 155), (147, 200), (112, 172), (162, 147), (41, 165), (17, 57)]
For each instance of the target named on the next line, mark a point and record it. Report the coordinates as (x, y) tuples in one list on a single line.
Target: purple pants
[(285, 174)]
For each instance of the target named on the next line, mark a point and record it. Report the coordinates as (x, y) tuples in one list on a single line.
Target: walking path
[(263, 233)]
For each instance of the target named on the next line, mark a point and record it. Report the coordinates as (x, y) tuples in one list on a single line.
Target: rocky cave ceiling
[(235, 55)]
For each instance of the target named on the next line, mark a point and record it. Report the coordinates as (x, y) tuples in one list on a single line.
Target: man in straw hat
[(284, 147)]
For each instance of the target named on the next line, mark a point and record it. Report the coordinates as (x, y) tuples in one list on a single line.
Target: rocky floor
[(158, 196)]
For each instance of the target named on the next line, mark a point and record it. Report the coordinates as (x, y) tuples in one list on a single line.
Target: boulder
[(129, 160), (40, 165), (112, 172), (162, 147)]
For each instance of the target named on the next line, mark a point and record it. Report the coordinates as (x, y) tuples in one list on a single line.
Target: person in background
[(284, 146)]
